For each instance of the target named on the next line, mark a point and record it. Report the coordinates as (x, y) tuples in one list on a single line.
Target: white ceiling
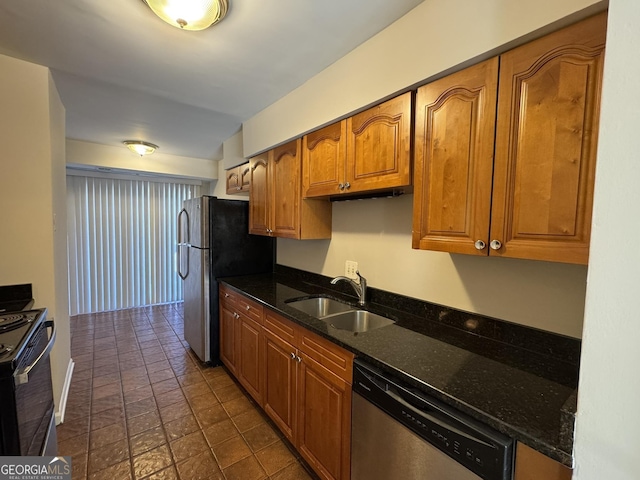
[(122, 73)]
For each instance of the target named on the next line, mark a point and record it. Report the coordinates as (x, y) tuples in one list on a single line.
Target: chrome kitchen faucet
[(360, 288)]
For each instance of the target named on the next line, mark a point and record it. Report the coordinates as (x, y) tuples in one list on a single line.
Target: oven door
[(34, 395)]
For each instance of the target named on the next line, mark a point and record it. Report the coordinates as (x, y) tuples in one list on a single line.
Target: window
[(122, 242)]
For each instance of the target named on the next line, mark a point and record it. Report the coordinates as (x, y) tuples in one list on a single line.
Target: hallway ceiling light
[(189, 14), (140, 148)]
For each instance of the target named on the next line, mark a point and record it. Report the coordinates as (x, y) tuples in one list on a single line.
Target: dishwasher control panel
[(481, 449)]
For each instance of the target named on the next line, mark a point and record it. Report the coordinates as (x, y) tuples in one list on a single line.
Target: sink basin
[(320, 307), (358, 321)]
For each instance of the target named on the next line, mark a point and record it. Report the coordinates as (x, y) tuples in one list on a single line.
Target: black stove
[(16, 330), (14, 298), (27, 422)]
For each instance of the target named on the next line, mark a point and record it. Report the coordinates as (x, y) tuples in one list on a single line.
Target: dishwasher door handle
[(433, 419)]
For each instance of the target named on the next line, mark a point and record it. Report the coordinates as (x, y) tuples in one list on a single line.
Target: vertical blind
[(122, 242)]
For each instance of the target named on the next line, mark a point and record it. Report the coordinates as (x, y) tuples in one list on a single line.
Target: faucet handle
[(361, 278)]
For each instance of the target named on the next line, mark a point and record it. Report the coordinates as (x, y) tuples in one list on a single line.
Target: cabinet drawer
[(327, 354), (228, 297), (284, 329), (250, 308)]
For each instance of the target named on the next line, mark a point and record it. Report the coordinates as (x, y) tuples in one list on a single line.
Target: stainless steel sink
[(358, 321), (320, 307)]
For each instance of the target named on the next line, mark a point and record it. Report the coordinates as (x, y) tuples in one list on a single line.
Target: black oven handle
[(20, 377)]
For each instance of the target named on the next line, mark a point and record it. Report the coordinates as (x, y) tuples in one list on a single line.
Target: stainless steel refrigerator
[(214, 242)]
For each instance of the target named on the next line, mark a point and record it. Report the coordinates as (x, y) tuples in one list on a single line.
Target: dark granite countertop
[(519, 380)]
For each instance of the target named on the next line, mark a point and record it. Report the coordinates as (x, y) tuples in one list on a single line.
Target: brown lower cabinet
[(301, 380), (533, 465)]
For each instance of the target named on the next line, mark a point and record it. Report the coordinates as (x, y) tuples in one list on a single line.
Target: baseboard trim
[(62, 404)]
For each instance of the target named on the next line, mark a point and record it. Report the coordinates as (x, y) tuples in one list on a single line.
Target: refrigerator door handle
[(181, 243), (188, 225)]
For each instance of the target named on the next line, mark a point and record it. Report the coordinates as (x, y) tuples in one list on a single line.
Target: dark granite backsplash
[(560, 348)]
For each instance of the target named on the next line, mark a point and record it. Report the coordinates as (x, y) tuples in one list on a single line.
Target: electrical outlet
[(350, 268)]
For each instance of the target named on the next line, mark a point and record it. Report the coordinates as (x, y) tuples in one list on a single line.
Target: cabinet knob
[(495, 244), (248, 307), (347, 186), (293, 356), (235, 315), (480, 245), (238, 188), (226, 295), (341, 186), (298, 359)]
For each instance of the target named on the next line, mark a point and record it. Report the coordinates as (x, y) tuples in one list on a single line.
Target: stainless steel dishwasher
[(399, 432)]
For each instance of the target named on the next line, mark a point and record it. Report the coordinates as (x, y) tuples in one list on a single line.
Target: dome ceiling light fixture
[(140, 148), (189, 14)]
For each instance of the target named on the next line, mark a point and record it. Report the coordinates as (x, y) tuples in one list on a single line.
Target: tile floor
[(141, 406)]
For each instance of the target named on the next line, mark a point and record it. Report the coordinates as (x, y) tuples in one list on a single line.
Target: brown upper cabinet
[(238, 179), (370, 151), (276, 207), (516, 181)]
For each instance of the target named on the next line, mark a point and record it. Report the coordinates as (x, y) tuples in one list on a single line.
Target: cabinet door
[(324, 153), (228, 336), (233, 180), (259, 195), (455, 119), (324, 420), (280, 383), (285, 196), (533, 465), (249, 355), (548, 110), (379, 146), (244, 172)]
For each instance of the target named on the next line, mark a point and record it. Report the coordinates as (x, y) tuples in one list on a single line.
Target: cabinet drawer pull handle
[(480, 245), (495, 244)]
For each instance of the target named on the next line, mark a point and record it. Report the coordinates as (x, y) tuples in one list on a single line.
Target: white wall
[(608, 423), (121, 160), (232, 151), (231, 156), (377, 234), (33, 196), (433, 38)]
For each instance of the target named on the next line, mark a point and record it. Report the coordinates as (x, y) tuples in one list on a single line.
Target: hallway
[(142, 407)]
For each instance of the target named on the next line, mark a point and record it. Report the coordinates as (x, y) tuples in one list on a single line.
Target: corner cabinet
[(525, 190), (276, 207), (238, 179), (368, 152)]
